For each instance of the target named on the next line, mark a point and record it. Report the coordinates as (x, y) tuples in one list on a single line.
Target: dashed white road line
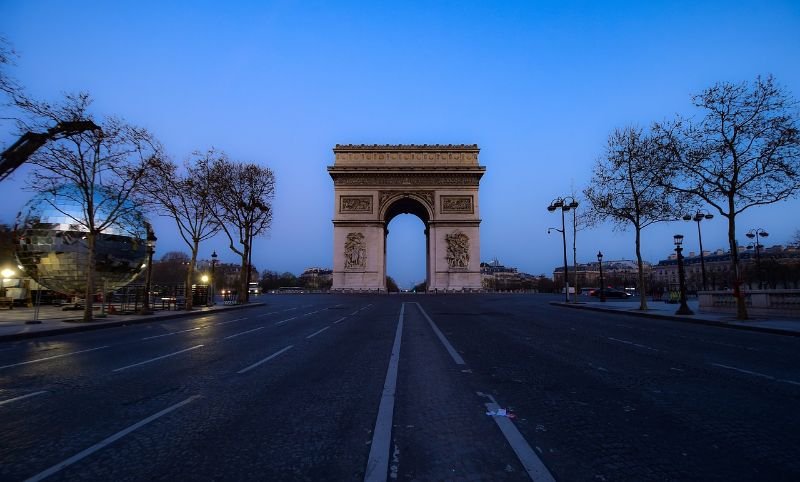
[(317, 333), (108, 441), (284, 321), (633, 344), (157, 358), (173, 333), (22, 397), (247, 369), (452, 351), (354, 313), (290, 309), (244, 332), (762, 375), (378, 461), (339, 320), (228, 321), (270, 313), (536, 469), (54, 356)]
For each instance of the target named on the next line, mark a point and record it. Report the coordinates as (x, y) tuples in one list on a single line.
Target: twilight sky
[(537, 85)]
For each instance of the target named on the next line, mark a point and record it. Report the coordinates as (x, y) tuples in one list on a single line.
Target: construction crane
[(20, 151)]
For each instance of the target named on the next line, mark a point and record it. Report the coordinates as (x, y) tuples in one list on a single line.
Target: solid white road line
[(452, 351), (54, 356), (378, 461), (537, 471), (22, 397), (632, 343), (768, 377), (247, 369), (284, 321), (317, 332), (157, 358), (340, 320), (244, 332), (102, 444)]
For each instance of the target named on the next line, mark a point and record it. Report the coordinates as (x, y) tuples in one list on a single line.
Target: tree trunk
[(741, 307), (190, 277), (242, 297), (640, 265), (88, 303)]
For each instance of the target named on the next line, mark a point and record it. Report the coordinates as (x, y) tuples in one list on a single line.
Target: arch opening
[(404, 245)]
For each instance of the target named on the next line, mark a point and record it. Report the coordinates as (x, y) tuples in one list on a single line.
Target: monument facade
[(437, 183)]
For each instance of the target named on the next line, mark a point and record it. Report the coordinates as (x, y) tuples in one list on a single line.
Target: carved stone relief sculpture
[(457, 204), (355, 251), (356, 204), (457, 250)]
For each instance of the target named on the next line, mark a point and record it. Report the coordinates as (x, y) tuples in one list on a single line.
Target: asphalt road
[(335, 387)]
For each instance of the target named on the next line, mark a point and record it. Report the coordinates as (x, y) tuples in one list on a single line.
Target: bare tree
[(795, 241), (242, 205), (184, 196), (97, 170), (744, 152), (626, 189)]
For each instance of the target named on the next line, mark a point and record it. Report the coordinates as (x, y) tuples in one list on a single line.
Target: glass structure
[(51, 244)]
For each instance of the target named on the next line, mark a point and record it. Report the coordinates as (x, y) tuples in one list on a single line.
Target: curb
[(693, 321), (113, 324)]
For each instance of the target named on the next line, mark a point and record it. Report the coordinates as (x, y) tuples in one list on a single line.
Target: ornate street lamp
[(697, 217), (213, 279), (602, 284), (756, 233), (565, 204), (684, 308), (6, 273), (151, 248)]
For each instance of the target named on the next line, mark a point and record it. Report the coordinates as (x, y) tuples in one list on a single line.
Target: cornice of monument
[(406, 148)]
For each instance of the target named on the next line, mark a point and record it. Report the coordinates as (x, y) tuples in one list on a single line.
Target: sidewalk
[(55, 321), (666, 311)]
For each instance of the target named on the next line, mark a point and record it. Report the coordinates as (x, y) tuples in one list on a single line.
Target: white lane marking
[(353, 313), (247, 369), (290, 309), (284, 321), (228, 321), (340, 320), (632, 343), (156, 358), (270, 313), (317, 332), (173, 333), (378, 461), (22, 397), (452, 351), (533, 464), (244, 332), (768, 377), (54, 356), (108, 441)]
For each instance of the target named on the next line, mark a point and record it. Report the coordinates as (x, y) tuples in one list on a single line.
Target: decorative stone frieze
[(457, 250)]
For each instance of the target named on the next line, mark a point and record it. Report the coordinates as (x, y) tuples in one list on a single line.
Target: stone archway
[(437, 183)]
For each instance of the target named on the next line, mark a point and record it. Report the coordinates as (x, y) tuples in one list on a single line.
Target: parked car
[(610, 293)]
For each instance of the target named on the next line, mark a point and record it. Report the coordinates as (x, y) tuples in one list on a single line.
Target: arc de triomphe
[(375, 183)]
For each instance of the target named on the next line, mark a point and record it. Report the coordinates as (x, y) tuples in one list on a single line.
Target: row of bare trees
[(742, 151), (117, 169)]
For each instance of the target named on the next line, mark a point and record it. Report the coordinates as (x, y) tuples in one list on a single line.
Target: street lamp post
[(565, 204), (602, 284), (756, 233), (213, 279), (699, 216), (151, 248), (6, 273), (684, 308)]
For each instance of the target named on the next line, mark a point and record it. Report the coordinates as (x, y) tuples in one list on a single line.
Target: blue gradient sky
[(538, 85)]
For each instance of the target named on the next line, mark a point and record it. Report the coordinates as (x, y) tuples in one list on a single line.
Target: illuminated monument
[(437, 183)]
